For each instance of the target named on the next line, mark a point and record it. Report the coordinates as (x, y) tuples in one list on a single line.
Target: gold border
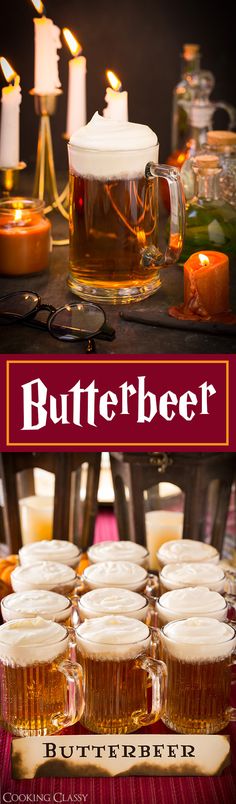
[(116, 443)]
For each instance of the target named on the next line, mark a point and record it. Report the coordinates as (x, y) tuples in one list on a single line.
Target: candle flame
[(74, 46), (18, 215), (203, 259), (38, 5), (8, 72), (114, 81)]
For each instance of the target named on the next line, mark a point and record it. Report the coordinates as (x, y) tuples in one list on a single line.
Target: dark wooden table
[(130, 338)]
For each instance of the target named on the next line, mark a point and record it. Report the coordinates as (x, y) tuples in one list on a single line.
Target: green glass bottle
[(210, 219)]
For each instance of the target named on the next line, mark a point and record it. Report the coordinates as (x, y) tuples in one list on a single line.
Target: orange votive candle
[(25, 236), (206, 283)]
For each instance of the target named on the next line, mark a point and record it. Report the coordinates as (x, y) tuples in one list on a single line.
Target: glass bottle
[(201, 119), (182, 133), (183, 95), (210, 220), (193, 114), (224, 144)]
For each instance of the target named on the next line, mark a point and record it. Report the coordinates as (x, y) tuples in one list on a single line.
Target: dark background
[(141, 41)]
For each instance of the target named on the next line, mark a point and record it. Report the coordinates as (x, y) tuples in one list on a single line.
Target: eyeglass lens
[(18, 305), (77, 321)]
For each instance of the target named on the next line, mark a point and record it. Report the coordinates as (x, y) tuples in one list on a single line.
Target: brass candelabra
[(45, 183)]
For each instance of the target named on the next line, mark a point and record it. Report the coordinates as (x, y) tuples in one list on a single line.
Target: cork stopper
[(190, 51), (221, 138), (206, 162)]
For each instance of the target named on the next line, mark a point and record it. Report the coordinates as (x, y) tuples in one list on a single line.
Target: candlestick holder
[(45, 183), (9, 178)]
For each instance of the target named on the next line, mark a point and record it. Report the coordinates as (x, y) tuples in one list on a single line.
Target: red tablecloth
[(132, 790)]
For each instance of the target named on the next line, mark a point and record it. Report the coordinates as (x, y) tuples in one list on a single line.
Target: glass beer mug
[(115, 249), (199, 653), (41, 690), (119, 673)]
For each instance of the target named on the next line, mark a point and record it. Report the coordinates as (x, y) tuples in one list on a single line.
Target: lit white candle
[(46, 44), (76, 104), (117, 101), (10, 118), (36, 517)]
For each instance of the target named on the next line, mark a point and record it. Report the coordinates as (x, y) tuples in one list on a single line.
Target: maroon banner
[(102, 402)]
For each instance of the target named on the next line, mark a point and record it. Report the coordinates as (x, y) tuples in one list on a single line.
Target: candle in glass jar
[(25, 236), (206, 283), (76, 106), (117, 101), (36, 518)]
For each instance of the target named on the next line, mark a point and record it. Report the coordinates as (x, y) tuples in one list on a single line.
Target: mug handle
[(231, 609), (75, 695), (157, 674), (233, 679), (152, 586), (80, 586), (75, 620), (230, 582), (231, 112), (231, 713), (177, 208)]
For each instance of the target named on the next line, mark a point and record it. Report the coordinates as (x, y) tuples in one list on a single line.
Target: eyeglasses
[(76, 321)]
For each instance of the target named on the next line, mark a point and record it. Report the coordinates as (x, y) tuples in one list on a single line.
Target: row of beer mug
[(117, 653), (117, 685), (120, 571), (122, 565)]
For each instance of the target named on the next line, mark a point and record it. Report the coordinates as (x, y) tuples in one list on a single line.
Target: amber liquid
[(197, 696), (113, 234), (32, 696), (115, 695)]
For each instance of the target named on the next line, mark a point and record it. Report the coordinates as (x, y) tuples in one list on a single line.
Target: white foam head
[(116, 573), (118, 551), (24, 642), (106, 148), (199, 639), (50, 550), (191, 601), (49, 605), (186, 550), (112, 637), (42, 575), (100, 602), (175, 576)]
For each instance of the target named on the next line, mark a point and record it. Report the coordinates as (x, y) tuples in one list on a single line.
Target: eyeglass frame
[(103, 333)]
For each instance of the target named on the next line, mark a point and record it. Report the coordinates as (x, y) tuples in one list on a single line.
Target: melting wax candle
[(116, 100), (206, 289), (10, 118), (206, 283), (46, 44)]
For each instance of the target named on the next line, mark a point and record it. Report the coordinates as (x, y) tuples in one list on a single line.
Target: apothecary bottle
[(210, 219)]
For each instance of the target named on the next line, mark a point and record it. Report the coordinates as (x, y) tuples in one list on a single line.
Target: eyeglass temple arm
[(106, 333), (32, 322)]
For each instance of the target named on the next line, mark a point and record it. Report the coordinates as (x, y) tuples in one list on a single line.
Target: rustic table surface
[(130, 338)]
